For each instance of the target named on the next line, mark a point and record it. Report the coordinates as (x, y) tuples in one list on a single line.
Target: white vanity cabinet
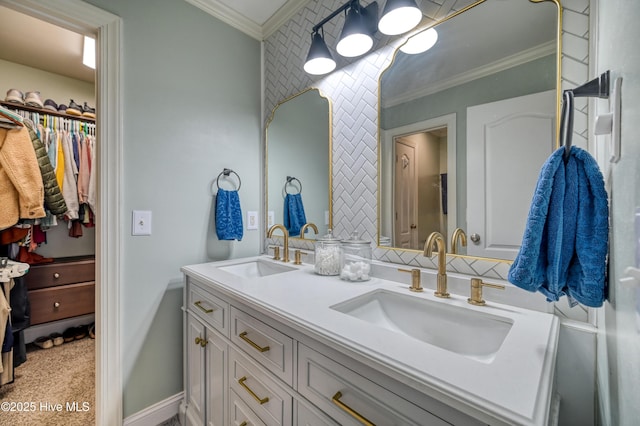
[(246, 368)]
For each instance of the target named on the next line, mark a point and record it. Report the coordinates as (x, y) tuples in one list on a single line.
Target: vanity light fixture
[(399, 16), (356, 38), (319, 60), (420, 42)]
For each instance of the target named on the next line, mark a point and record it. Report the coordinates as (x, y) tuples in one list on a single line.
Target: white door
[(507, 143), (406, 187)]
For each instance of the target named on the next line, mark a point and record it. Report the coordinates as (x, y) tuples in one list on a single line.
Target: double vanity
[(272, 343)]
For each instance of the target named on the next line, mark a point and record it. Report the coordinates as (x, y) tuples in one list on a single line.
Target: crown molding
[(226, 14), (519, 58)]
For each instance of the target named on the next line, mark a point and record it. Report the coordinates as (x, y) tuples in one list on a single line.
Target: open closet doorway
[(80, 17)]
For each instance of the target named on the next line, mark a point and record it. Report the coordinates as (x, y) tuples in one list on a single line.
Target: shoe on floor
[(43, 342), (92, 330), (15, 96), (81, 332), (33, 99), (57, 339), (69, 334), (74, 108)]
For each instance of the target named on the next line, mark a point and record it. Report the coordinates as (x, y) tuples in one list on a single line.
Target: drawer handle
[(244, 424), (56, 275), (56, 305), (252, 393), (201, 342), (244, 337), (351, 411), (203, 309)]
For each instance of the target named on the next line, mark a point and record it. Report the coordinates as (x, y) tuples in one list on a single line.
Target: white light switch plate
[(271, 219), (252, 220), (141, 222)]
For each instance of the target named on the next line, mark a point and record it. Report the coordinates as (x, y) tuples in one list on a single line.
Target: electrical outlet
[(252, 220), (141, 222)]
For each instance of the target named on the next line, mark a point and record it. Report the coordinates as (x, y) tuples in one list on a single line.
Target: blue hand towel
[(565, 243), (294, 217), (228, 215)]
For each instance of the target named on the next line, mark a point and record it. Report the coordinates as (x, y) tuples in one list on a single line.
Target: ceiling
[(29, 41)]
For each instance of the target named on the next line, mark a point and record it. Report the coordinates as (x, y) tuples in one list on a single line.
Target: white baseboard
[(157, 413)]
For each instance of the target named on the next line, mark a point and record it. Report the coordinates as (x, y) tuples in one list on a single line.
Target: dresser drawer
[(263, 343), (62, 271), (350, 398), (262, 394), (240, 413), (55, 303), (211, 309)]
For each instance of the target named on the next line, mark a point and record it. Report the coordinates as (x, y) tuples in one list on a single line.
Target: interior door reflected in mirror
[(466, 125), (298, 164)]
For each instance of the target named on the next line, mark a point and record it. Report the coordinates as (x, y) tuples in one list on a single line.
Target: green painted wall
[(191, 106)]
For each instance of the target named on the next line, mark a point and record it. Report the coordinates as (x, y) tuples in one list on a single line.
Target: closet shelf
[(14, 106)]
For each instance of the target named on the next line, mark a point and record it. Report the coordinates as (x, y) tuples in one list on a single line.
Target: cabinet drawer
[(211, 309), (262, 394), (240, 413), (263, 343), (352, 399), (55, 303), (308, 416), (62, 271)]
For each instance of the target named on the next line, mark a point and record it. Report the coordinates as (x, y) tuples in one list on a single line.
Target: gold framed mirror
[(465, 127), (298, 160)]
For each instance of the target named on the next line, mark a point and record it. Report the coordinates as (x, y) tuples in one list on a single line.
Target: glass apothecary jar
[(327, 255), (355, 259)]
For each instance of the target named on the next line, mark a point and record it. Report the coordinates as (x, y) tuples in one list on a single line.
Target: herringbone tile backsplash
[(353, 90)]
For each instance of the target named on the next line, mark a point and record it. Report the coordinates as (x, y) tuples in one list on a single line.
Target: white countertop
[(514, 388)]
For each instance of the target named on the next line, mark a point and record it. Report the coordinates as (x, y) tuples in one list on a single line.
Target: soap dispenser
[(327, 255)]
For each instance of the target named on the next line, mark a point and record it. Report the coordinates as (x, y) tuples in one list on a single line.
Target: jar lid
[(329, 238), (353, 239)]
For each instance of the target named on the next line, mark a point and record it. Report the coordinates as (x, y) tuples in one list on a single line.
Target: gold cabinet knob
[(56, 305), (56, 275)]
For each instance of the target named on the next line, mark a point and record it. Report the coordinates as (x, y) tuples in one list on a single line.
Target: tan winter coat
[(21, 188)]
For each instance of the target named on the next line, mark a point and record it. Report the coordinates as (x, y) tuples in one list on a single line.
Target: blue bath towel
[(565, 243), (228, 215), (294, 217)]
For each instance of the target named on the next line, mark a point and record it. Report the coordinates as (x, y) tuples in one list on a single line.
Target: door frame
[(448, 121), (84, 18)]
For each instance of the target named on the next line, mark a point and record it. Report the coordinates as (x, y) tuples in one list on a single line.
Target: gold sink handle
[(476, 291), (415, 279)]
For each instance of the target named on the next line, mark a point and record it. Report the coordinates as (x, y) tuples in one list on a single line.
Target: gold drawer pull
[(244, 337), (244, 424), (252, 393), (56, 305), (202, 342), (56, 275), (205, 310), (351, 411)]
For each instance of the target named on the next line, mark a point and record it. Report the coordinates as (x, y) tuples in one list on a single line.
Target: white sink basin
[(256, 269), (476, 335)]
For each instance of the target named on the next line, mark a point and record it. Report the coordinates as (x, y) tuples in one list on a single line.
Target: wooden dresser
[(62, 289)]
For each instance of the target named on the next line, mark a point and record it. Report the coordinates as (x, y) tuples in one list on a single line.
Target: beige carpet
[(61, 378)]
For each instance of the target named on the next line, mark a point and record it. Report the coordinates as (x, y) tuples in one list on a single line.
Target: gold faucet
[(458, 234), (476, 291), (437, 239), (285, 256), (304, 229)]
